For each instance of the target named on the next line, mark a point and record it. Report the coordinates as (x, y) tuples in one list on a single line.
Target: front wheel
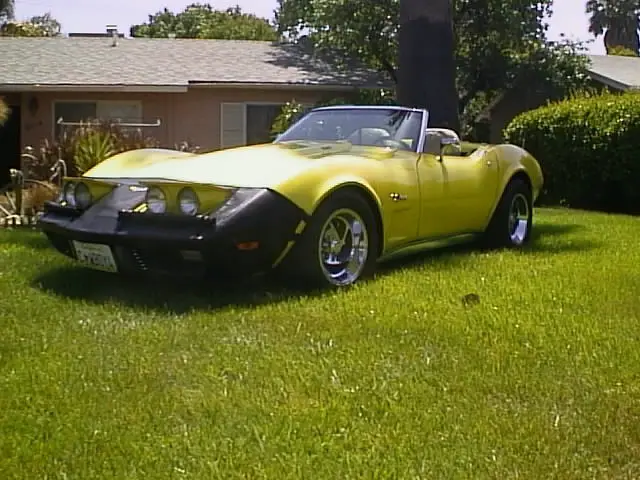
[(339, 246), (512, 220)]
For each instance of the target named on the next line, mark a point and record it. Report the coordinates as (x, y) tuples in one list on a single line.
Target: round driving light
[(68, 194), (82, 196), (188, 201), (156, 201)]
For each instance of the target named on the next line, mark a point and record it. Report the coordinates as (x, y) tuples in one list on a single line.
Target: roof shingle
[(168, 62)]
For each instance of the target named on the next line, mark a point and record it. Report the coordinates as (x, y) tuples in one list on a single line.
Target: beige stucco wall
[(193, 116)]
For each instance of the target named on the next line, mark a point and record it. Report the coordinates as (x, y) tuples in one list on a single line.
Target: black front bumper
[(246, 241)]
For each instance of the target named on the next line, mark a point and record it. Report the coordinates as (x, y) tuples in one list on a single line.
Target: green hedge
[(588, 148)]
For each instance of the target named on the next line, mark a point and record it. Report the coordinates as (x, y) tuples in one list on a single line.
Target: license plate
[(95, 256)]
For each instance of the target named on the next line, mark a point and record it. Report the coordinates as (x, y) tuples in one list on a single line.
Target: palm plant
[(617, 21)]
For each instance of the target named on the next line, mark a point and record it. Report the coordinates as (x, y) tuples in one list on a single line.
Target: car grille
[(159, 261)]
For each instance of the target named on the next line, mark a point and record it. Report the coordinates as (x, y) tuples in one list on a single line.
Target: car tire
[(512, 221), (344, 213)]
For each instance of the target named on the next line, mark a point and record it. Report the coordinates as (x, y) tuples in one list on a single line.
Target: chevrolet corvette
[(344, 188)]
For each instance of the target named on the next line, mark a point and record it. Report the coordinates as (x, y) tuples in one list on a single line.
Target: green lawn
[(101, 378)]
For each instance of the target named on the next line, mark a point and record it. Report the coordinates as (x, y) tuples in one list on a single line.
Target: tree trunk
[(426, 61), (6, 9)]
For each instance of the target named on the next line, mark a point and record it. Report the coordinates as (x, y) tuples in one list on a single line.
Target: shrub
[(621, 51), (86, 146), (588, 149)]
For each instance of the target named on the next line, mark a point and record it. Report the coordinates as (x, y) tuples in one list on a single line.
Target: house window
[(260, 118), (122, 111), (247, 123)]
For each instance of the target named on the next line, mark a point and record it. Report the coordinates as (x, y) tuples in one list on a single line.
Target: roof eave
[(37, 87), (280, 86), (608, 81)]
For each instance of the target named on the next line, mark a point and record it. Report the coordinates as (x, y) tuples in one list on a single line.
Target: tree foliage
[(203, 21), (498, 41), (39, 26), (617, 21)]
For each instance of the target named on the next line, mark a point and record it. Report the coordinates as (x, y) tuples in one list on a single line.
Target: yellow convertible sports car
[(342, 189)]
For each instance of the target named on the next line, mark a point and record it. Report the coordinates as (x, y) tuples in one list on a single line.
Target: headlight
[(68, 194), (188, 201), (156, 200), (82, 196)]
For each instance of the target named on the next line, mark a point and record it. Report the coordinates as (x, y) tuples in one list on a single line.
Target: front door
[(10, 145), (470, 187), (431, 180)]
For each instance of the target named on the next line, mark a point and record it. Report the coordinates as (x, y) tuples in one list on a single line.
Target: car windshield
[(381, 127)]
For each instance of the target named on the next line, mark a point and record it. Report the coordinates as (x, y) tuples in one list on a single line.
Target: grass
[(397, 378)]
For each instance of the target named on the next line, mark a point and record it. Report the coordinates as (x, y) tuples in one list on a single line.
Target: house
[(212, 93), (607, 72)]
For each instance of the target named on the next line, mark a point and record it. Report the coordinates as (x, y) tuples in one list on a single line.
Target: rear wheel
[(339, 246), (512, 221)]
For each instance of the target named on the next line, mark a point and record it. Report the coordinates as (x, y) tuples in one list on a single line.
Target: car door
[(400, 195), (470, 186), (431, 183)]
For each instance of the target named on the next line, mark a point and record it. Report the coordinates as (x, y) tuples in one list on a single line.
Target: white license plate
[(93, 255)]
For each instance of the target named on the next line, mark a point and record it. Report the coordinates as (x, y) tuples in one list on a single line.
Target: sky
[(93, 15)]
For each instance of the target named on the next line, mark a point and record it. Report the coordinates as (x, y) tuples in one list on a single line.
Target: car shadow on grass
[(169, 295), (546, 238), (179, 296)]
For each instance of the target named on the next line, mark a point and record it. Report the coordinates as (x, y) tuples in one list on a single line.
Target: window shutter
[(233, 125)]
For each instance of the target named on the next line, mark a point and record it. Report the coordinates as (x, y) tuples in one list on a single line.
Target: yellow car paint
[(420, 197)]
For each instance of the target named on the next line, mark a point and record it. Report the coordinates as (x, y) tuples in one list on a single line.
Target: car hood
[(261, 166)]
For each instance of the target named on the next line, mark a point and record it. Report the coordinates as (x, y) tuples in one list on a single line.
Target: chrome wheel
[(519, 219), (343, 247)]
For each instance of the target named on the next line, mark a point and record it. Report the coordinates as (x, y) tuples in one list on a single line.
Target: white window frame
[(244, 116), (137, 103)]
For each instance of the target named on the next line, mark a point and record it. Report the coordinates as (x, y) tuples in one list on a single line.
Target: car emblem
[(396, 197)]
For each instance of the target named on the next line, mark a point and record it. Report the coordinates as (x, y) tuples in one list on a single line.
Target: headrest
[(444, 132)]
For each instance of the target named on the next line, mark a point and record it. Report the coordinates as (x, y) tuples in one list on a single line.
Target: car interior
[(374, 136)]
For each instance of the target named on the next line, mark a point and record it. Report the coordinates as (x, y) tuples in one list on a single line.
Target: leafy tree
[(203, 21), (47, 24), (498, 42), (617, 20), (38, 26)]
